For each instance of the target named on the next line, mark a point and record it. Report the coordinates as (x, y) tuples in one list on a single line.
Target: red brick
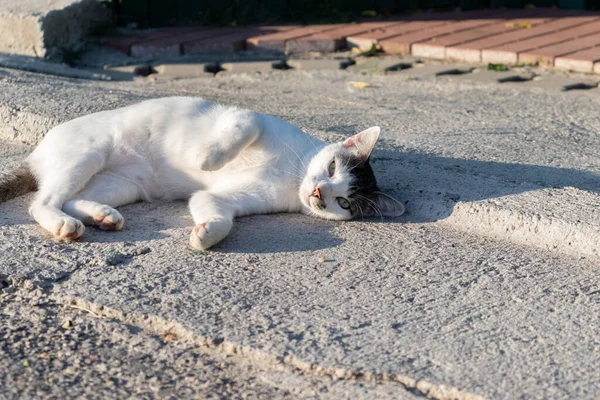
[(235, 40), (436, 47), (488, 46), (402, 44), (582, 61), (277, 41), (366, 40), (334, 39), (463, 51), (511, 52), (172, 45), (546, 55), (124, 43)]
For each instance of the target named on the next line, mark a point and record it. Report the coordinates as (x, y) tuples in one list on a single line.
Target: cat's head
[(340, 183)]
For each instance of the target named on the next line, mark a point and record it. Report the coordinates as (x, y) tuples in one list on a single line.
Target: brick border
[(549, 37)]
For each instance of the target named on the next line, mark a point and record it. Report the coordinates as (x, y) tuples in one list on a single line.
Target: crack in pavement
[(263, 360), (52, 347)]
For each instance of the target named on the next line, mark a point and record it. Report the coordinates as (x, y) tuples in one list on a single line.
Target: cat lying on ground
[(228, 161)]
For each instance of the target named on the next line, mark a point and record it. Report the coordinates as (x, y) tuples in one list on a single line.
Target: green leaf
[(497, 67)]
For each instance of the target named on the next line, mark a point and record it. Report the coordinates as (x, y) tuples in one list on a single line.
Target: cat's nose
[(317, 193)]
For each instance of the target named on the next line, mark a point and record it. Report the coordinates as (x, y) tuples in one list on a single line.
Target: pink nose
[(317, 193)]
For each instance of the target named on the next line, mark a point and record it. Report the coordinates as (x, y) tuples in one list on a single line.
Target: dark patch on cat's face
[(363, 186)]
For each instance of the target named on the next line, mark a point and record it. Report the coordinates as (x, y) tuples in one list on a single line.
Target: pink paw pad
[(196, 228)]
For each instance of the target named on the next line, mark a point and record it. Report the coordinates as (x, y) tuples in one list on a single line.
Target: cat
[(228, 161)]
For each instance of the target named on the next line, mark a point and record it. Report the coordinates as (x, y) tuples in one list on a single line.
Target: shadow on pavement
[(443, 181)]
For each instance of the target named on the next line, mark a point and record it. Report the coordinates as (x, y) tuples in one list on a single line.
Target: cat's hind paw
[(209, 233), (109, 219), (68, 228)]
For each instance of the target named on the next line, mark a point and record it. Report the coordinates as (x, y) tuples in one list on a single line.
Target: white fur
[(229, 162)]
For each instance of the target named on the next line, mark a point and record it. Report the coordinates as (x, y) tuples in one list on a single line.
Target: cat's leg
[(212, 217), (58, 181), (230, 135), (95, 204), (213, 211)]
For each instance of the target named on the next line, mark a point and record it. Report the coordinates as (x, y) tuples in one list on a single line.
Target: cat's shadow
[(279, 233), (275, 233)]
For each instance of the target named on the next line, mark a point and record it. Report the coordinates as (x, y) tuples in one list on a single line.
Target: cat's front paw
[(209, 233)]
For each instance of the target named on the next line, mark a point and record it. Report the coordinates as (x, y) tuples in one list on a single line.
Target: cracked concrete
[(487, 288), (54, 348)]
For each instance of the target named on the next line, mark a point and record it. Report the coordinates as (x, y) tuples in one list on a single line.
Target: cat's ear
[(362, 144), (383, 206)]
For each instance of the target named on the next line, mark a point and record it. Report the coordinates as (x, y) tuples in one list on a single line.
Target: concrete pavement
[(487, 288)]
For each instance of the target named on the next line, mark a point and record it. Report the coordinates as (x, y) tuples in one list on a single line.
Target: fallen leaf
[(68, 324), (169, 336), (371, 52), (321, 259), (497, 67), (26, 363), (361, 85)]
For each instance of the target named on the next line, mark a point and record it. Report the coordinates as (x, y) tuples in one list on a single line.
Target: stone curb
[(49, 29)]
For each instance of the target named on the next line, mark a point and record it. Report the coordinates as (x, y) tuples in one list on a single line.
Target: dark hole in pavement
[(399, 67), (346, 63), (144, 70), (455, 71), (212, 68), (580, 86), (280, 65), (516, 78)]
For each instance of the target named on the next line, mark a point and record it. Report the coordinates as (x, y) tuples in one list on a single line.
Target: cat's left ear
[(362, 144), (383, 206)]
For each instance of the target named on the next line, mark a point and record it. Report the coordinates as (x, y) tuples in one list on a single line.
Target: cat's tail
[(16, 183)]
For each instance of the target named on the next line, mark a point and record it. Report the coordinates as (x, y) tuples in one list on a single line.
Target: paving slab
[(468, 295), (580, 61), (320, 64), (277, 41), (189, 70), (334, 39), (437, 47), (381, 65), (243, 67), (525, 50), (48, 28)]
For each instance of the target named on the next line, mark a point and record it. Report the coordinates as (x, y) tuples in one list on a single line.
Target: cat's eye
[(345, 204), (331, 168)]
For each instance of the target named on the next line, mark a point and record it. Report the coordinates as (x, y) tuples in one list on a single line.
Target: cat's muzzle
[(317, 203)]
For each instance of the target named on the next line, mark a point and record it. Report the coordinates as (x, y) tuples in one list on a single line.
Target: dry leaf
[(361, 85), (68, 324), (169, 336)]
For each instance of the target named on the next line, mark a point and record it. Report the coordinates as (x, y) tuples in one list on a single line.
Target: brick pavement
[(549, 37)]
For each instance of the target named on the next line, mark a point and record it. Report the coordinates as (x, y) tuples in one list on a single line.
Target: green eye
[(345, 204), (332, 168)]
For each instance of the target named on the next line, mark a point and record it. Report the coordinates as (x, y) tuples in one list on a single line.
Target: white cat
[(232, 162)]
